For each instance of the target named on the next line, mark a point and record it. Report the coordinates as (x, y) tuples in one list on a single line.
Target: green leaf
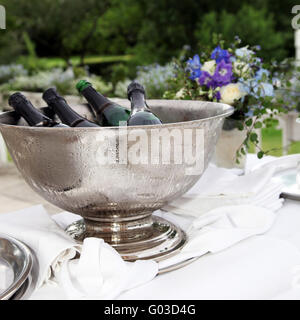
[(249, 122), (258, 125), (253, 137), (260, 154), (240, 125)]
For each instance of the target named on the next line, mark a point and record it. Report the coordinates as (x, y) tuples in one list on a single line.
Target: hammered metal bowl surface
[(64, 165)]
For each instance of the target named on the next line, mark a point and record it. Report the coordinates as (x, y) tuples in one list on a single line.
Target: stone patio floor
[(15, 194)]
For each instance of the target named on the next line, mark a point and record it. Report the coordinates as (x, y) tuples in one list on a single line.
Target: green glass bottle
[(140, 112), (109, 114), (33, 116), (66, 114)]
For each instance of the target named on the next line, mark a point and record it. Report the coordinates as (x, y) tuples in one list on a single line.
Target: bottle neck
[(95, 99), (138, 102), (32, 116), (66, 114)]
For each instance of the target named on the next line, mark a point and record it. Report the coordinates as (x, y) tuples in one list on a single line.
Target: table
[(262, 267)]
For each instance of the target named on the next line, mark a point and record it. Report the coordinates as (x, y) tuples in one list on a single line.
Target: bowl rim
[(228, 111)]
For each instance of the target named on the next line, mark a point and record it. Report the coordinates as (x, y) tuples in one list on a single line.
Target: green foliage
[(57, 27), (30, 46), (253, 26), (152, 31), (64, 80), (118, 74), (119, 26)]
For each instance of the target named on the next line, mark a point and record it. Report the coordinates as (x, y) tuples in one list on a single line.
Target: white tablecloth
[(262, 267)]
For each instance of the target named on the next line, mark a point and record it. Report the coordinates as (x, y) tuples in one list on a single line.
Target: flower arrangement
[(236, 76)]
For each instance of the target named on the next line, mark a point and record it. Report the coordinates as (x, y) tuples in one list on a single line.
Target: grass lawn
[(272, 140), (58, 62)]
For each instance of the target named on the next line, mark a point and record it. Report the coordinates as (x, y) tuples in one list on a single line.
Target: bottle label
[(103, 107)]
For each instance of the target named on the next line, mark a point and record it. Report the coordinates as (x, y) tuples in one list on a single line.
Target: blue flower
[(264, 89), (194, 67), (247, 85), (259, 74), (257, 60), (219, 54), (260, 89)]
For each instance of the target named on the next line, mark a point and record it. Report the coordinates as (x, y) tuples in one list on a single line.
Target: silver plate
[(27, 288), (286, 174), (177, 265), (16, 263)]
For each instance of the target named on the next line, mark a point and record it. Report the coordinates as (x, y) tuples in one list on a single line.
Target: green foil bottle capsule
[(108, 113)]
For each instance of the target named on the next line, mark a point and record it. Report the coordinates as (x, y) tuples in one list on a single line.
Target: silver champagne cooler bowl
[(115, 177)]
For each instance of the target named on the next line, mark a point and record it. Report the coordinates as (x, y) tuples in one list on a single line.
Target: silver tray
[(286, 174), (76, 228), (16, 261)]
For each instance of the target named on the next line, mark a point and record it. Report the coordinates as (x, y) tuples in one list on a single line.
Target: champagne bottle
[(108, 113), (32, 115), (66, 114), (140, 112)]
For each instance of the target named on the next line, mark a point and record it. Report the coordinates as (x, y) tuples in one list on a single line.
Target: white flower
[(209, 66), (231, 92), (244, 52), (241, 69), (180, 94)]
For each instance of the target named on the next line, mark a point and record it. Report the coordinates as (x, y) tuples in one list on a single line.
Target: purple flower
[(223, 74), (206, 79), (194, 67), (219, 54), (217, 95)]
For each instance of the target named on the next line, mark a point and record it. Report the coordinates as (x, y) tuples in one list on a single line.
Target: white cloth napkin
[(212, 232), (100, 272), (220, 187), (221, 228)]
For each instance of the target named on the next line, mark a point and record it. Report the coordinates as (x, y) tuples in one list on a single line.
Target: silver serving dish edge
[(18, 258)]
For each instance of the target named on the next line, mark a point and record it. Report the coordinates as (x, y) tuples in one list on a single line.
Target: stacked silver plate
[(17, 269)]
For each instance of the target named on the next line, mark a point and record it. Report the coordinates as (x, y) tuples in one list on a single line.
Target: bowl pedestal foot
[(148, 238)]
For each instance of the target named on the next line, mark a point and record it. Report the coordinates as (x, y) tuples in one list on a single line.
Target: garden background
[(110, 42)]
